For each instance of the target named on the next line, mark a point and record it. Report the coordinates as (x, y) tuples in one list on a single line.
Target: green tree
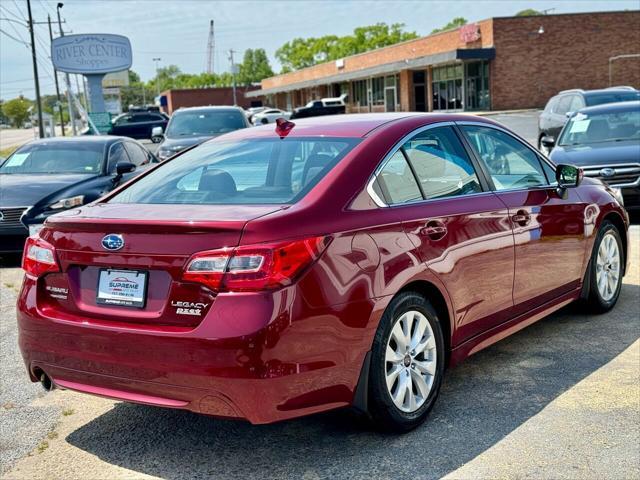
[(17, 110), (455, 23), (529, 12), (254, 67), (305, 52)]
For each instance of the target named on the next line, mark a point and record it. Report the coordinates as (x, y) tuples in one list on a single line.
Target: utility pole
[(210, 49), (157, 59), (233, 75), (55, 75), (35, 72), (66, 76)]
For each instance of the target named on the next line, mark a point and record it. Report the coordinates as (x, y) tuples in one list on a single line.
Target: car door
[(461, 230), (559, 116), (548, 227)]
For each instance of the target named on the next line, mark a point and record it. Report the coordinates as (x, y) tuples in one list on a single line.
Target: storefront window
[(360, 93), (477, 86), (447, 87)]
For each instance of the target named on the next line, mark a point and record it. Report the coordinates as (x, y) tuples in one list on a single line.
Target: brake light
[(254, 267), (39, 257)]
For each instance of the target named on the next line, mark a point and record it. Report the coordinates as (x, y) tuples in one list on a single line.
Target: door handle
[(434, 229), (521, 218)]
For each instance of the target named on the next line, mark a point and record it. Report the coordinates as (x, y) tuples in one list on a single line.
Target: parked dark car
[(559, 108), (48, 176), (272, 273), (605, 142), (138, 125), (316, 108), (192, 126)]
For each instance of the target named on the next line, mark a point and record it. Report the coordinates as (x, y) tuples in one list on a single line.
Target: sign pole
[(94, 87)]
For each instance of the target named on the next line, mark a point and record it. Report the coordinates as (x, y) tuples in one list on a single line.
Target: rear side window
[(396, 182), (441, 164), (252, 171)]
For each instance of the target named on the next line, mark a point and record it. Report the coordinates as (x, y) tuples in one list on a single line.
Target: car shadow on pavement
[(483, 400)]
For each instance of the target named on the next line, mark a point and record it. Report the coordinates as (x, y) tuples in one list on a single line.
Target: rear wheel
[(605, 270), (407, 363)]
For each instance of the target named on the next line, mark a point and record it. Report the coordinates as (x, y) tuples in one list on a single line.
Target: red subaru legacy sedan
[(272, 273)]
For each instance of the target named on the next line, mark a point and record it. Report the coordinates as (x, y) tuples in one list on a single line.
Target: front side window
[(56, 157), (441, 164), (510, 163), (136, 154), (242, 172)]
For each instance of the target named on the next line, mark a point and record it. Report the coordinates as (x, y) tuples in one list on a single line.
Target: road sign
[(102, 121)]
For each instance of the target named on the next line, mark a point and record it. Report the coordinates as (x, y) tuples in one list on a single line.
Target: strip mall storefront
[(495, 64)]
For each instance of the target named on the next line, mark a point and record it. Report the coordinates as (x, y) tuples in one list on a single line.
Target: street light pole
[(35, 72), (233, 75), (55, 74), (66, 76), (157, 59)]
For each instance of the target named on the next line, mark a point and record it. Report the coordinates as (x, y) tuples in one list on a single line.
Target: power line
[(14, 38), (11, 13), (20, 11)]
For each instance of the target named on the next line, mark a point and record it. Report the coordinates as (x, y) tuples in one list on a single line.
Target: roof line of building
[(418, 62)]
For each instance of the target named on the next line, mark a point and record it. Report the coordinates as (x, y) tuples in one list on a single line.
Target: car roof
[(612, 107), (105, 139), (209, 108), (598, 91), (344, 125)]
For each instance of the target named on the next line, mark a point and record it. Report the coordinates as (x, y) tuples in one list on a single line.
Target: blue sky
[(177, 30)]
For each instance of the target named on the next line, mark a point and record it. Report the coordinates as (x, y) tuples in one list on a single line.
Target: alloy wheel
[(410, 361), (608, 267)]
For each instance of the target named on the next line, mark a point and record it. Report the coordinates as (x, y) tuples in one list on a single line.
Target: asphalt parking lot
[(560, 399)]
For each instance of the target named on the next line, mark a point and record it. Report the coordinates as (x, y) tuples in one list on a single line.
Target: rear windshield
[(255, 171), (187, 124), (610, 97), (56, 157)]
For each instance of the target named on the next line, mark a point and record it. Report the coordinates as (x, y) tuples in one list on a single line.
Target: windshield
[(59, 157), (253, 171), (184, 124), (610, 97), (603, 127)]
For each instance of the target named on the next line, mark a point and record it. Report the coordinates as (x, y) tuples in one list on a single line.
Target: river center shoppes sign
[(91, 54)]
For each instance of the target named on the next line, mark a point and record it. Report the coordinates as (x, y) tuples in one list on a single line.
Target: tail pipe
[(46, 382)]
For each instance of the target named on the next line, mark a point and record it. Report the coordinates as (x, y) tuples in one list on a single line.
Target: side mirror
[(124, 167), (156, 132), (569, 114), (548, 142), (568, 176)]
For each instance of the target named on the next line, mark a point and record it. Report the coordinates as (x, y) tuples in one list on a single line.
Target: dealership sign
[(91, 53)]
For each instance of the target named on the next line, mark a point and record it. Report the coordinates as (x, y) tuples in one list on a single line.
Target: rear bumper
[(290, 365)]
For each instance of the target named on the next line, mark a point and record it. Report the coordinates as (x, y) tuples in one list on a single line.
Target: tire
[(602, 297), (405, 372), (264, 121)]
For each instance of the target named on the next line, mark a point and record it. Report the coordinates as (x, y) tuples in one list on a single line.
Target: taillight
[(39, 257), (254, 267)]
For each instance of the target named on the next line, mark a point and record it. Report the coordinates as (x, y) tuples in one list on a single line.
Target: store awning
[(384, 69)]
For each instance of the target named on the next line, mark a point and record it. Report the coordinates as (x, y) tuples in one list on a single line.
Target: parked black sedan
[(605, 142), (47, 176), (138, 125)]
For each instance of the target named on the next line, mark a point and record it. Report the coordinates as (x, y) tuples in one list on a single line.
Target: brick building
[(171, 100), (495, 64)]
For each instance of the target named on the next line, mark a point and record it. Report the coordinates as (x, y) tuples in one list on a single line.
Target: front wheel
[(605, 270), (407, 363)]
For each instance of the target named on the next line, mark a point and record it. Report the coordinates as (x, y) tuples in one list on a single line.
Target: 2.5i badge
[(189, 308)]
